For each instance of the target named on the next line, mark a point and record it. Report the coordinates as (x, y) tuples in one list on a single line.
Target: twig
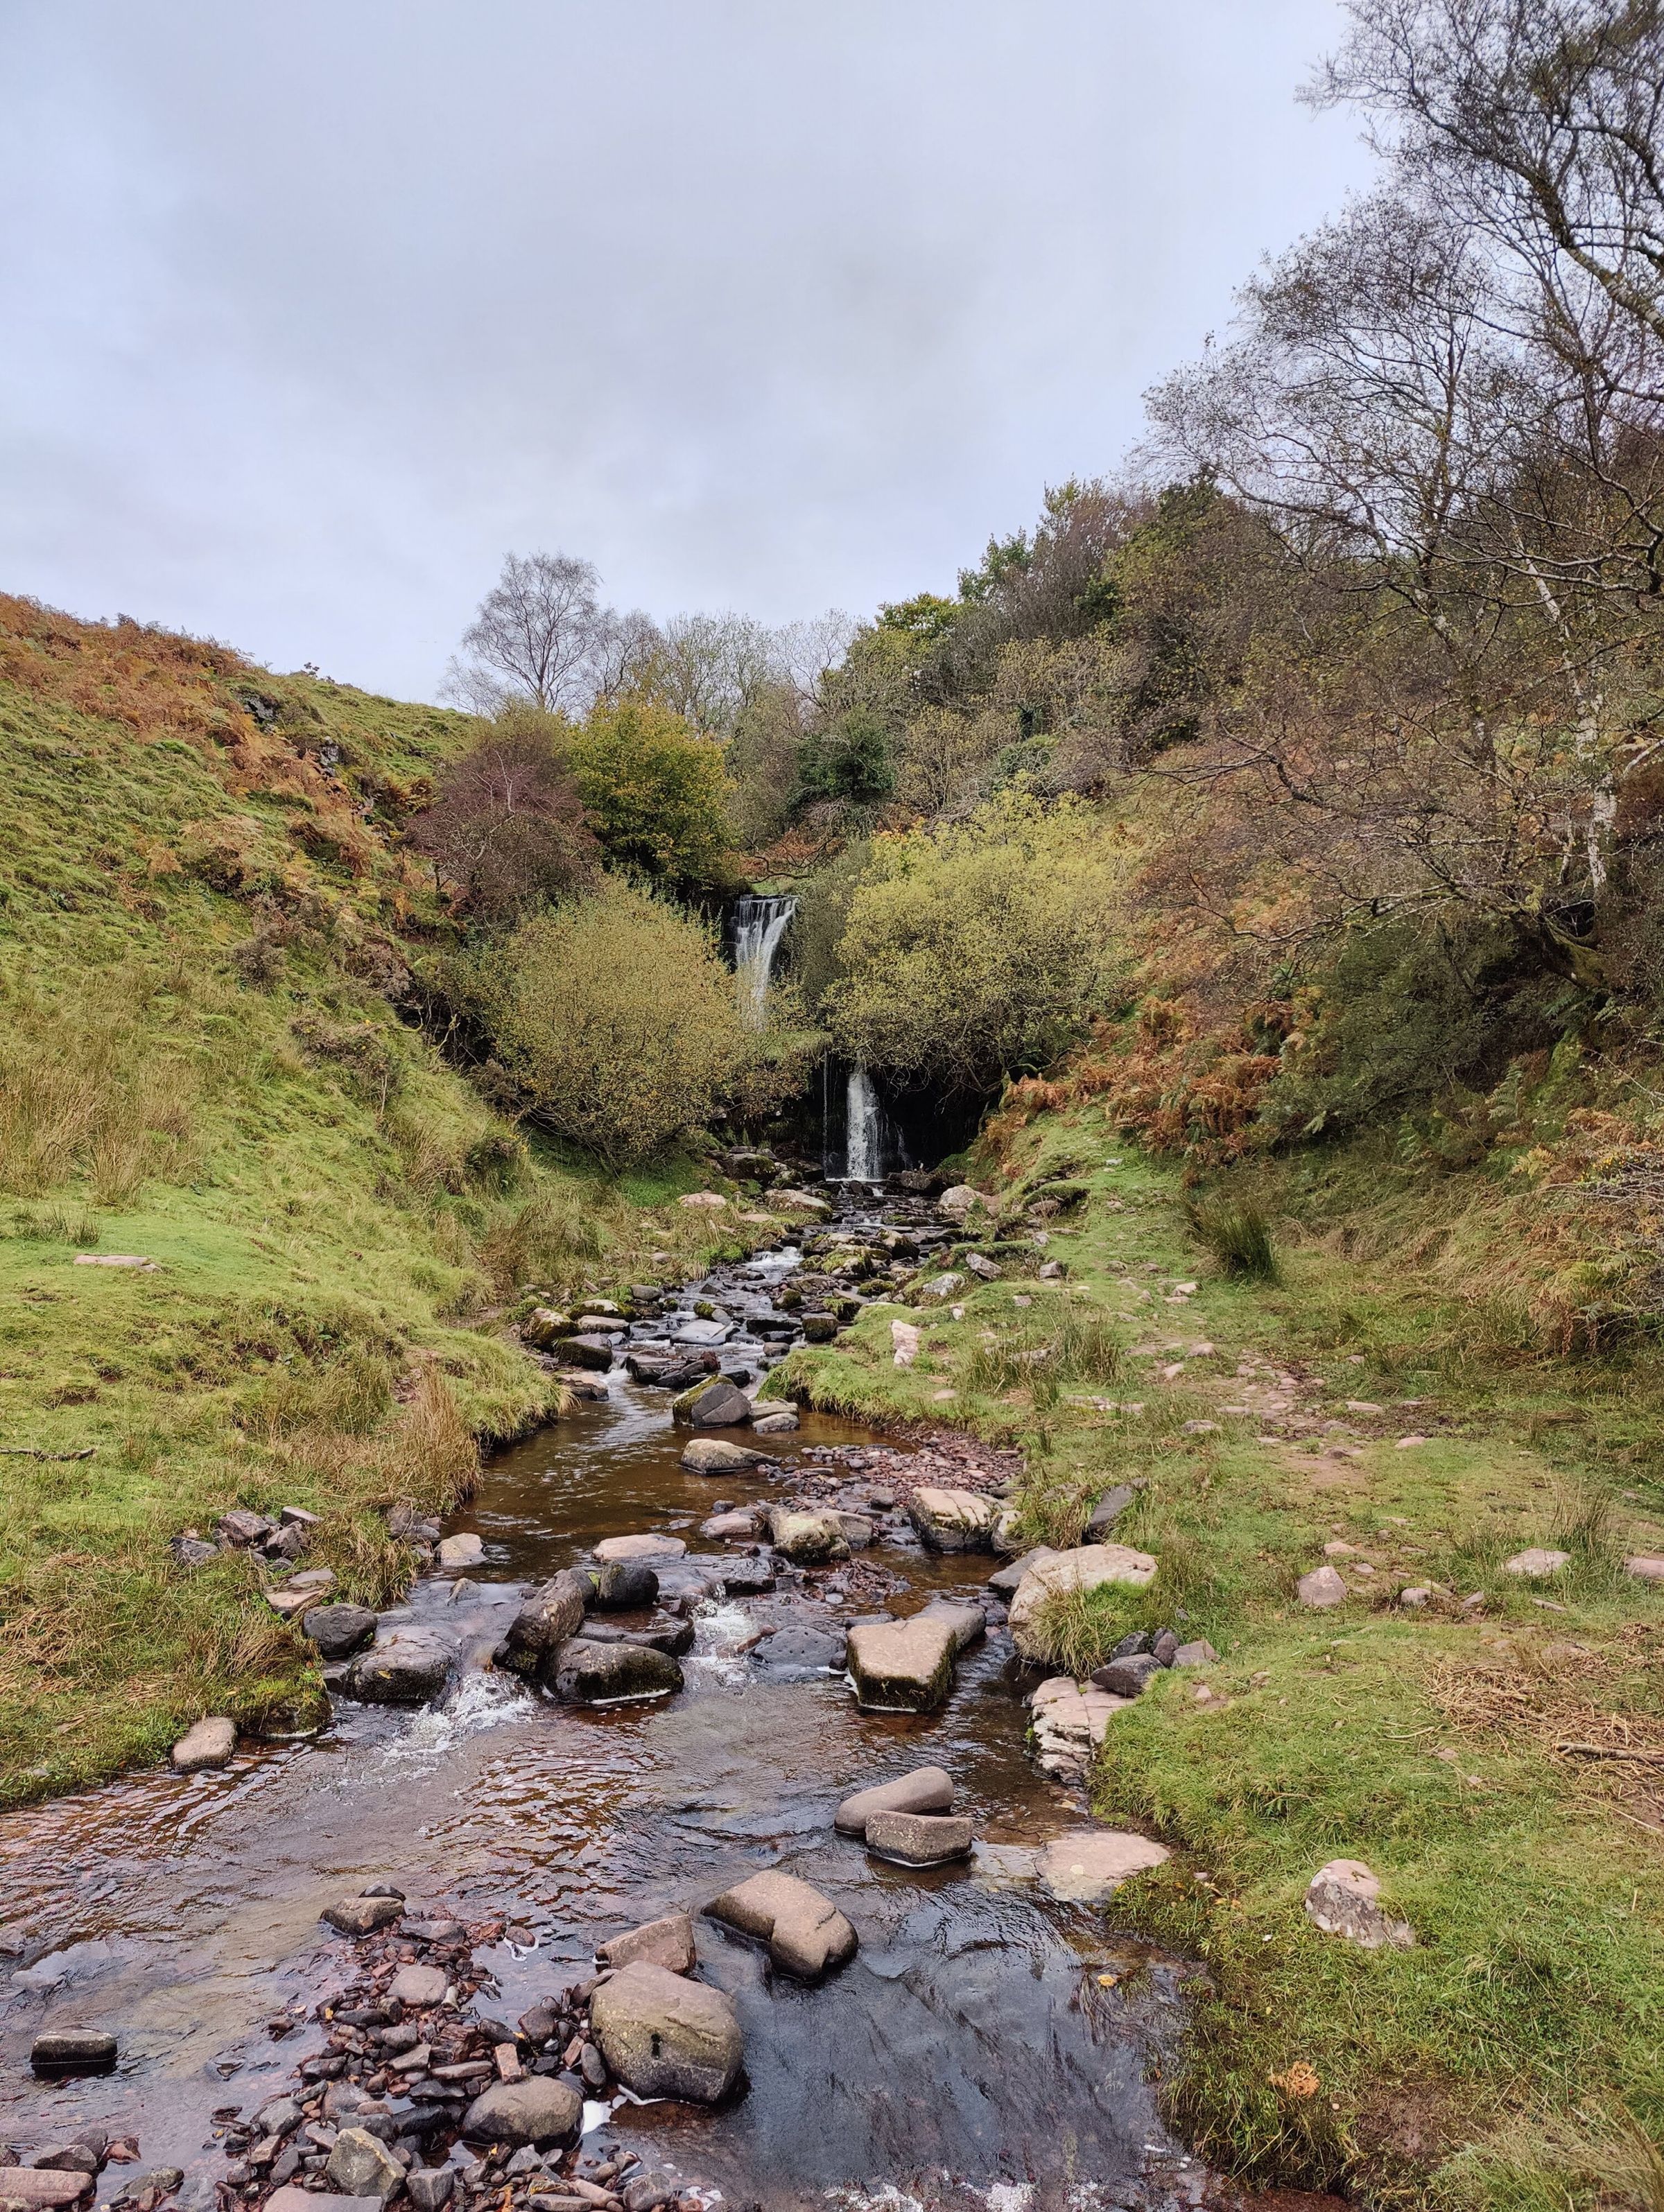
[(33, 1451), (1601, 1751)]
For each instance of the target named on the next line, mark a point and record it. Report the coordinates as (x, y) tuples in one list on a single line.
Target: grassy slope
[(196, 915), (1499, 2062)]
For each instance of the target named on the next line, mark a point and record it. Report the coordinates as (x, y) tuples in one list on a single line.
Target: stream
[(975, 2052)]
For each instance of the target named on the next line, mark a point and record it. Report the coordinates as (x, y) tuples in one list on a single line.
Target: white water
[(865, 1129), (758, 925)]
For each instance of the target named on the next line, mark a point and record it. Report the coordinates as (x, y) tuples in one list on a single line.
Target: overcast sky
[(310, 309)]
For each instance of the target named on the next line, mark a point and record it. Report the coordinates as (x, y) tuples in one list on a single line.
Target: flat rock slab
[(903, 1666), (536, 2111), (703, 1332), (1087, 1567), (926, 1790), (211, 1743), (1089, 1864), (964, 1616), (920, 1839), (640, 1547), (805, 1933), (798, 1655), (952, 1519), (34, 2184), (291, 2199), (360, 1916), (665, 2036), (719, 1456), (668, 1943), (1342, 1899)]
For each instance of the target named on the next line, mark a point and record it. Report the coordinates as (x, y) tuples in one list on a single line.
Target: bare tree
[(538, 636)]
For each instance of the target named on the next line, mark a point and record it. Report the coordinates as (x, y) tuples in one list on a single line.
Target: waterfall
[(758, 925), (865, 1116)]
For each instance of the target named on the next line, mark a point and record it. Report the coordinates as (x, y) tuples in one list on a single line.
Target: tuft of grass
[(1238, 1235)]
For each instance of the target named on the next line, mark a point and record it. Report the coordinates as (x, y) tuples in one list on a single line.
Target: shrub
[(506, 826), (615, 1018), (980, 950), (655, 793)]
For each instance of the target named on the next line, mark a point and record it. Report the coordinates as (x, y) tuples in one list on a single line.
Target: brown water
[(969, 2046)]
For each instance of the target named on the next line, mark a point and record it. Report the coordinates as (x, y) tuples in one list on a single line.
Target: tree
[(540, 633), (656, 792), (507, 825)]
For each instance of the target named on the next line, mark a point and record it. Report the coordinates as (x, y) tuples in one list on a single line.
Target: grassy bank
[(1512, 2057), (207, 917)]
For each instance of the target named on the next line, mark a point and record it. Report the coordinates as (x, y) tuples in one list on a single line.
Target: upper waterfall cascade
[(758, 925), (865, 1129)]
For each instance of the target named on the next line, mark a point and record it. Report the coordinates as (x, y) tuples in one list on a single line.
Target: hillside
[(205, 922)]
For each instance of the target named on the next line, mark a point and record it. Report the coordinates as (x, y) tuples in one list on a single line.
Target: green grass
[(1513, 2056), (200, 929)]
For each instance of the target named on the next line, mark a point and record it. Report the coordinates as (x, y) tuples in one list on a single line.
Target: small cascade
[(865, 1121), (759, 924)]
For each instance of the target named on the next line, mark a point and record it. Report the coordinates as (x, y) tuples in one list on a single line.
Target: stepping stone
[(210, 1744), (920, 1839), (412, 1666), (585, 1674), (1343, 1900), (664, 2036), (805, 1933), (967, 1621), (926, 1790), (903, 1666), (718, 1456), (668, 1943), (739, 1527), (1089, 1864), (457, 1554), (640, 1547), (952, 1519), (1087, 1567)]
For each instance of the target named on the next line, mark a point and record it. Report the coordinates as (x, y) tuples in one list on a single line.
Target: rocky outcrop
[(805, 1932), (903, 1666), (665, 2036), (926, 1790)]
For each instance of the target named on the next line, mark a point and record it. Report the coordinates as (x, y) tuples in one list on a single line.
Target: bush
[(616, 1019), (978, 951), (506, 826), (655, 793)]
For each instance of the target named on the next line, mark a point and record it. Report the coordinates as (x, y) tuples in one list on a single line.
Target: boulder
[(409, 1668), (549, 1616), (665, 2036), (457, 1554), (719, 1456), (338, 1631), (1086, 1865), (592, 1351), (805, 1933), (984, 1269), (926, 1790), (958, 1201), (1125, 1678), (1200, 1653), (720, 1404), (776, 1421), (941, 1288), (1343, 1900), (1087, 1567), (1322, 1587), (665, 1633), (536, 2111), (668, 1943), (418, 1986), (361, 2167), (640, 1547), (952, 1519), (1536, 1564), (625, 1586), (820, 1327), (544, 1326), (920, 1839), (585, 1674), (359, 1916), (211, 1743), (1007, 1580), (807, 1539), (902, 1666)]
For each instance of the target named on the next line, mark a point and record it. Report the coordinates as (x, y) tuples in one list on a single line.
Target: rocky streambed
[(560, 1909)]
